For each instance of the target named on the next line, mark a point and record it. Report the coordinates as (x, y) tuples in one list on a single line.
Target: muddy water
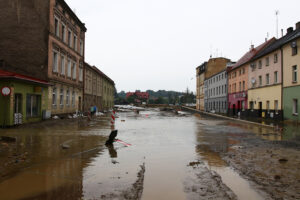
[(163, 143)]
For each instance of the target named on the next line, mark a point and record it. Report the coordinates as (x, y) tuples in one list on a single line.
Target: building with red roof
[(238, 80), (139, 96)]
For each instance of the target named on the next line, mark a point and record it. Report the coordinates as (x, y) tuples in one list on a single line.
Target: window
[(74, 71), (69, 38), (276, 106), (80, 72), (260, 80), (251, 105), (267, 79), (81, 47), (73, 98), (229, 89), (295, 106), (275, 58), (295, 73), (63, 32), (259, 64), (240, 86), (268, 106), (276, 77), (33, 104), (62, 65), (267, 61), (55, 62), (294, 48), (69, 68), (75, 42), (56, 26), (244, 85), (68, 97), (240, 71), (61, 97), (243, 105), (54, 96)]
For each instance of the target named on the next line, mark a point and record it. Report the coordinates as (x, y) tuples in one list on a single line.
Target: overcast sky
[(157, 44)]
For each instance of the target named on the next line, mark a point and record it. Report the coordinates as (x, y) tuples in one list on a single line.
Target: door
[(259, 109), (79, 103), (18, 115), (233, 109)]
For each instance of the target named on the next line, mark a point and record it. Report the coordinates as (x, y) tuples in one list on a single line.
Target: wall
[(24, 36)]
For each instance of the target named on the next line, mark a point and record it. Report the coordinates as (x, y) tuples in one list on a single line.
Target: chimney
[(281, 32), (289, 30), (297, 25), (251, 47)]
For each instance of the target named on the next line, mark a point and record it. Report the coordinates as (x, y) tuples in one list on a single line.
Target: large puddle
[(163, 143)]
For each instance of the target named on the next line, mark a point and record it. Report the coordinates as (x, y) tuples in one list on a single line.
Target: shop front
[(23, 99)]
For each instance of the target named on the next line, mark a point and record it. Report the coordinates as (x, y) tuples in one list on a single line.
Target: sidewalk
[(259, 122)]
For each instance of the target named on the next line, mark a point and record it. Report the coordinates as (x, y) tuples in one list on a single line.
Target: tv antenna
[(277, 13)]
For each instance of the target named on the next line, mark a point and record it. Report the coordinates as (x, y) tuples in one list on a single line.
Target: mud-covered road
[(172, 156)]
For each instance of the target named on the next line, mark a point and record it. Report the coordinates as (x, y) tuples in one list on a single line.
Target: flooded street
[(185, 156)]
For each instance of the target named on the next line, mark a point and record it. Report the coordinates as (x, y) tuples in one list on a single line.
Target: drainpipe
[(281, 52)]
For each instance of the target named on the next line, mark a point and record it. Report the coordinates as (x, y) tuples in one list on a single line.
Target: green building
[(291, 75), (23, 99)]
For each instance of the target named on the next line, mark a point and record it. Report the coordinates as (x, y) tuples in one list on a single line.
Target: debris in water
[(282, 160), (8, 139)]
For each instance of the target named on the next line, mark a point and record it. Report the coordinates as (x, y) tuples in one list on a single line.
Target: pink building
[(238, 78)]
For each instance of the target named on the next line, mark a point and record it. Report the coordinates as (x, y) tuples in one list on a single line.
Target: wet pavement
[(185, 156)]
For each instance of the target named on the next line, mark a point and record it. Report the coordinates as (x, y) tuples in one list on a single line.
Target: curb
[(230, 118)]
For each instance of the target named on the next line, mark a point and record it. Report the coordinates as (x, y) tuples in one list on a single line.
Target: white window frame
[(54, 96), (294, 74), (67, 97), (61, 97), (69, 68), (80, 72), (63, 32), (73, 98), (56, 28), (81, 47), (295, 106), (75, 42), (276, 77), (70, 38), (267, 79), (62, 64), (74, 70)]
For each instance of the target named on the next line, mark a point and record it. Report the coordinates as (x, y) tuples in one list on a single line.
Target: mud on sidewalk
[(273, 166)]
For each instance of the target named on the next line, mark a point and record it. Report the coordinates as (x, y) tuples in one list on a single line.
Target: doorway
[(259, 109), (79, 103), (18, 116)]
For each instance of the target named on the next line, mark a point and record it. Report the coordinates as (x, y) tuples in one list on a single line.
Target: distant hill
[(157, 94)]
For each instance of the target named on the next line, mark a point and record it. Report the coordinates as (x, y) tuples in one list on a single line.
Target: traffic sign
[(5, 91)]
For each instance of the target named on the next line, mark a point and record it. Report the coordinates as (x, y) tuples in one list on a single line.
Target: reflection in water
[(112, 152)]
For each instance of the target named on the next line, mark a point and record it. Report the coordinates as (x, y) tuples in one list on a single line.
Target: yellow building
[(108, 91), (265, 82)]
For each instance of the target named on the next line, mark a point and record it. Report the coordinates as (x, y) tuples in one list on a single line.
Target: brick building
[(45, 40), (200, 86)]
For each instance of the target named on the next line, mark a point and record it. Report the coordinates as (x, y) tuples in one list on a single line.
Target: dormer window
[(294, 48)]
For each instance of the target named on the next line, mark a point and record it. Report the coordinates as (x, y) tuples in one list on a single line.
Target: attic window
[(294, 48)]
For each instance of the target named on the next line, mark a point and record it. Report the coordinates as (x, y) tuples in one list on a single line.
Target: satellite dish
[(253, 80)]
